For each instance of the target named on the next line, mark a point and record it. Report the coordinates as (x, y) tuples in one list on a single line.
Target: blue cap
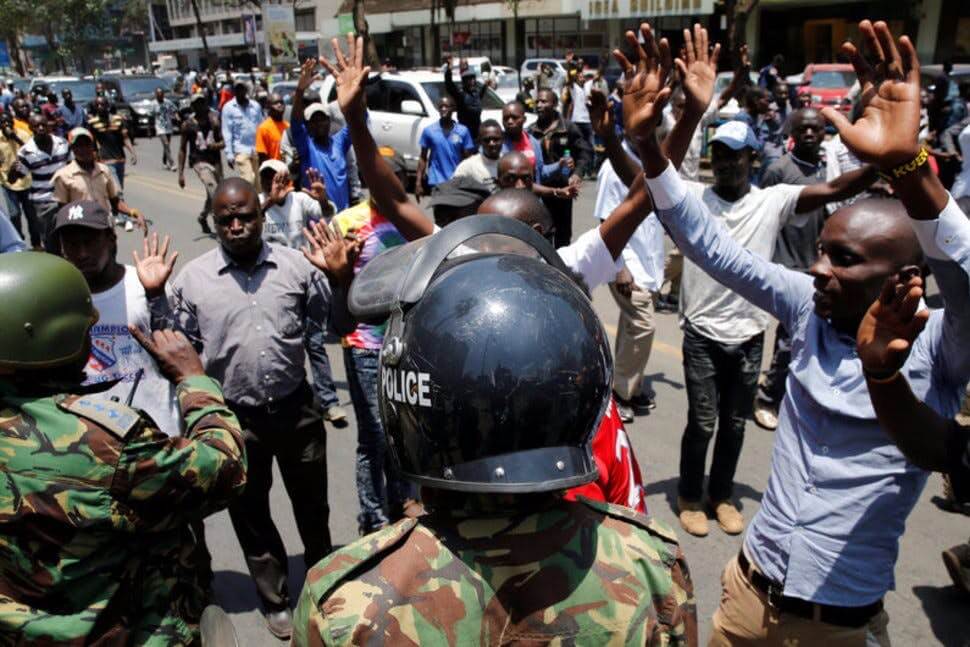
[(736, 135)]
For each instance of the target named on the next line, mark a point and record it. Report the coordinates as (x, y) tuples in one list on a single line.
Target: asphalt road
[(924, 609)]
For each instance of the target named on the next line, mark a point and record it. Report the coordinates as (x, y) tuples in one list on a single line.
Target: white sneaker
[(129, 226)]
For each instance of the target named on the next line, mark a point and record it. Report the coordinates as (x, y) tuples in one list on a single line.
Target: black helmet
[(495, 371)]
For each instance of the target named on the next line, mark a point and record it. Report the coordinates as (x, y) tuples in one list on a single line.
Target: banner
[(607, 9), (249, 30), (345, 24), (279, 25), (4, 54)]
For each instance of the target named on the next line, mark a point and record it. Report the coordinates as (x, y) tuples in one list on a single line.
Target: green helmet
[(47, 312)]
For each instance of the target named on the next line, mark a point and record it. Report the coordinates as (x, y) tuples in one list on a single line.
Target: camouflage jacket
[(584, 573), (95, 503)]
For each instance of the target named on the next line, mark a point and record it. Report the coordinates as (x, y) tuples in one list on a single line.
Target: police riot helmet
[(495, 370)]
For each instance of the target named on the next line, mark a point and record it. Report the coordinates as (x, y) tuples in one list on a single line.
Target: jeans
[(721, 381), (561, 211), (323, 386), (20, 203), (587, 130), (119, 172), (373, 463), (773, 389)]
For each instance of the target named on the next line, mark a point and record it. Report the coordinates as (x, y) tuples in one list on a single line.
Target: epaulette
[(112, 416), (347, 562), (641, 520)]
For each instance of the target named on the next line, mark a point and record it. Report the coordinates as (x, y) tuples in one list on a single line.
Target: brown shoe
[(693, 519), (728, 517), (957, 561)]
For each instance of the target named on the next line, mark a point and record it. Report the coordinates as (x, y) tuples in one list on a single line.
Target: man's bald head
[(520, 204), (515, 171), (861, 245), (235, 187), (238, 218)]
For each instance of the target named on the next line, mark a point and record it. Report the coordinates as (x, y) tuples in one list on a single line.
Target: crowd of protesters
[(830, 238)]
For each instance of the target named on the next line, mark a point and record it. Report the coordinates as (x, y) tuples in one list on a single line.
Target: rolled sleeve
[(667, 189), (591, 259), (947, 237)]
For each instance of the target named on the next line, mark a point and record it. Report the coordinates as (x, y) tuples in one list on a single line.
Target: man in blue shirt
[(240, 119), (819, 554), (447, 143), (310, 131)]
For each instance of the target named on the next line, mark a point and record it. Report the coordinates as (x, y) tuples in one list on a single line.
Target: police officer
[(95, 501), (494, 373)]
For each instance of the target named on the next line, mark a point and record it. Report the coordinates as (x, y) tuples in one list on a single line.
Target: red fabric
[(619, 473), (225, 96), (524, 146)]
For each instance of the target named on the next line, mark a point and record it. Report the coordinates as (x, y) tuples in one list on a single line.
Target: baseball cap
[(460, 192), (736, 135), (313, 109), (276, 165), (469, 72), (78, 132), (196, 97), (86, 213)]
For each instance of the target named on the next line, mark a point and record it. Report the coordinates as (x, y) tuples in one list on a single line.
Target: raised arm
[(740, 79), (841, 188), (386, 189), (601, 116)]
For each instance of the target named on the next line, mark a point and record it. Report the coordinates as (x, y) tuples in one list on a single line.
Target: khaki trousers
[(247, 165), (673, 270), (744, 617), (634, 339)]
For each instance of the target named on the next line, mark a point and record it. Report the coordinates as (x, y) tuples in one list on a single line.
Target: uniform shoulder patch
[(324, 577), (651, 525), (114, 417)]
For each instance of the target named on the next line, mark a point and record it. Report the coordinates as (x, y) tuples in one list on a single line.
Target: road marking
[(660, 346)]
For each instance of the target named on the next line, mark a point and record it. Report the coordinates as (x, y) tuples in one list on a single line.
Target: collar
[(76, 169), (801, 162), (227, 263)]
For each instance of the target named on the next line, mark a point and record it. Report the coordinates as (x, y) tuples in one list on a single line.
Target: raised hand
[(308, 74), (600, 113), (330, 253), (698, 69), (889, 327), (350, 75), (646, 90), (154, 266), (318, 188), (886, 133), (281, 187)]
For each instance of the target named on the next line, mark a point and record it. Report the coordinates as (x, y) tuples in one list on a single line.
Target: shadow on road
[(236, 593), (946, 609), (668, 487), (661, 378)]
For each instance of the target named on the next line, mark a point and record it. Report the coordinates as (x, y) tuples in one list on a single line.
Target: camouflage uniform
[(585, 573), (95, 505)]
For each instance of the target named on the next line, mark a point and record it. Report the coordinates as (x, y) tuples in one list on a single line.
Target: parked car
[(732, 107), (402, 105), (530, 67), (42, 84), (134, 96), (507, 82), (928, 73), (828, 84)]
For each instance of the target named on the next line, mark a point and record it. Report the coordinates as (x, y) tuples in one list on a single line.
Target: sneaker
[(626, 413), (129, 226), (765, 415), (693, 519), (336, 416), (279, 623), (957, 562), (728, 517), (204, 223)]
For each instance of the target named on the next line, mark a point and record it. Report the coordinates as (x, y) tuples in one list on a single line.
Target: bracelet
[(880, 379), (904, 169)]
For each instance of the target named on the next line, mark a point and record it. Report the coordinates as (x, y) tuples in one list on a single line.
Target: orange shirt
[(268, 137)]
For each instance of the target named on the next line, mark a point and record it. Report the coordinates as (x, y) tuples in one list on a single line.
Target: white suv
[(402, 105)]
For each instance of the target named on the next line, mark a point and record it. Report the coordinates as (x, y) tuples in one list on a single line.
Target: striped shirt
[(43, 166)]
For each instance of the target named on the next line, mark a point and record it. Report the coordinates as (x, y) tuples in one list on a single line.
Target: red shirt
[(619, 473), (524, 146)]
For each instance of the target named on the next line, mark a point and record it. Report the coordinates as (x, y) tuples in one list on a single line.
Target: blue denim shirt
[(10, 240), (239, 127), (840, 490)]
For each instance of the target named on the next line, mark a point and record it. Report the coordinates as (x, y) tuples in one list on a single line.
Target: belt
[(287, 402), (852, 617)]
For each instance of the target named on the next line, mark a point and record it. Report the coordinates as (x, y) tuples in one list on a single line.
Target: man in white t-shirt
[(483, 167), (723, 332), (288, 211), (85, 236)]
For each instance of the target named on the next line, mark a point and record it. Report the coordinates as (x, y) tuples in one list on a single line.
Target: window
[(397, 93), (374, 90), (306, 20)]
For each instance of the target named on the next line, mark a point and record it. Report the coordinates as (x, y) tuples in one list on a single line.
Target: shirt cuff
[(667, 189), (948, 236)]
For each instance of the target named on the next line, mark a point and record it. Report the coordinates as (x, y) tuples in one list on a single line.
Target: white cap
[(276, 165), (313, 109)]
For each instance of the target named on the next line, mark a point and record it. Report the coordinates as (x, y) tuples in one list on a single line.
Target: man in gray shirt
[(245, 305)]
